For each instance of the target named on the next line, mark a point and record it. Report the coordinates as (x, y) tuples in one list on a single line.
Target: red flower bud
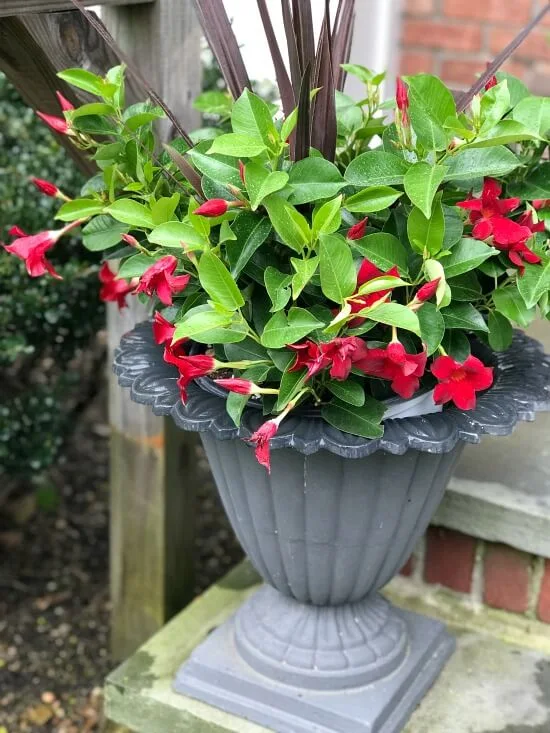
[(428, 290), (493, 81), (64, 103), (238, 385), (357, 231), (132, 241), (213, 207), (402, 95), (57, 124), (16, 231), (47, 188)]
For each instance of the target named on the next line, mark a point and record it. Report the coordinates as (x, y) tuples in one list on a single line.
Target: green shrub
[(42, 321)]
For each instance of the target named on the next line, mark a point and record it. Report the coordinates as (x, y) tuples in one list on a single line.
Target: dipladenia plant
[(336, 267)]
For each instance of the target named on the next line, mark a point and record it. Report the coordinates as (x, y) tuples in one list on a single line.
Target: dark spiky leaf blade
[(224, 46), (341, 41), (497, 62), (303, 29), (293, 58), (303, 139), (186, 168), (323, 117), (283, 81)]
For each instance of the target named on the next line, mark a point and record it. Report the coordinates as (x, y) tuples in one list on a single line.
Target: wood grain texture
[(153, 478), (22, 7)]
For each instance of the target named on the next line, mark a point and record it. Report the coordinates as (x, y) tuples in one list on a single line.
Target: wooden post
[(153, 479)]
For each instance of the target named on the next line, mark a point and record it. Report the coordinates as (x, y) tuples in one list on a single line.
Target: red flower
[(64, 103), (45, 187), (238, 385), (32, 249), (357, 231), (402, 100), (395, 364), (541, 203), (487, 214), (261, 439), (159, 280), (163, 330), (213, 207), (190, 367), (526, 220), (341, 353), (368, 272), (493, 81), (428, 290), (460, 382), (113, 289), (57, 124), (308, 356), (16, 231), (519, 254)]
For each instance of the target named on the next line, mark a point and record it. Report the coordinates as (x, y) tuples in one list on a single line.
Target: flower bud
[(57, 124), (428, 290), (64, 103), (357, 231), (213, 207), (45, 187)]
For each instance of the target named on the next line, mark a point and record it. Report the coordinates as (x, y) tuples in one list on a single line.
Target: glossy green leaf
[(432, 326), (463, 316), (132, 213), (466, 255), (363, 421), (350, 392), (501, 332), (480, 162), (327, 218), (456, 344), (336, 268), (303, 272), (393, 314), (376, 168), (431, 104), (313, 179), (176, 234), (421, 183), (83, 79), (281, 330), (237, 145), (261, 183), (534, 114), (102, 232), (216, 279), (290, 225), (426, 234), (534, 282), (384, 250), (134, 266), (79, 209), (277, 285), (250, 231), (251, 117), (164, 208), (509, 302), (220, 169), (374, 198)]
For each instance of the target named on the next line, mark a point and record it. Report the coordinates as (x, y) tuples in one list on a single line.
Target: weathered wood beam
[(22, 7)]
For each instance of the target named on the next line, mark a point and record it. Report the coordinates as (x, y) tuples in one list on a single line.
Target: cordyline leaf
[(186, 168), (293, 58), (285, 86), (323, 118), (303, 30), (222, 41), (495, 65), (303, 129), (341, 40), (98, 26)]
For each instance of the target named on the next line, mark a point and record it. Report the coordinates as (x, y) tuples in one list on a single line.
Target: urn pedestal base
[(407, 653)]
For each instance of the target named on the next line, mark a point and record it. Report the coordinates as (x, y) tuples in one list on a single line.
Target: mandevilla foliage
[(338, 280)]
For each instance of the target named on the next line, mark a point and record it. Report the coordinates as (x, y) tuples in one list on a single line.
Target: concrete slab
[(487, 687)]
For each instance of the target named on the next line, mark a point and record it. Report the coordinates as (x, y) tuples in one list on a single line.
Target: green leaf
[(289, 124), (457, 345), (336, 268), (509, 302), (134, 122), (393, 314), (261, 183), (463, 316), (277, 286), (235, 404), (291, 384), (236, 145), (79, 209), (517, 88), (421, 183), (480, 162), (132, 213), (454, 226), (226, 233), (434, 271), (251, 118), (102, 232), (304, 271), (134, 266), (534, 282), (174, 234), (313, 179), (503, 133), (432, 326), (350, 392), (83, 80), (163, 209), (363, 421), (290, 225), (95, 108), (214, 103), (95, 125), (221, 169), (251, 232), (431, 103), (327, 218), (247, 350), (376, 168), (384, 282), (281, 330), (534, 113), (384, 250), (465, 287), (200, 325), (495, 102), (501, 332), (466, 256), (426, 234), (216, 279), (374, 198), (282, 359)]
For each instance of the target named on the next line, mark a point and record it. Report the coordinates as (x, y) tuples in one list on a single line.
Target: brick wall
[(489, 573), (455, 38)]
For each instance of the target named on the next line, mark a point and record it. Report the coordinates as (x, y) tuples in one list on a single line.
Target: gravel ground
[(54, 603)]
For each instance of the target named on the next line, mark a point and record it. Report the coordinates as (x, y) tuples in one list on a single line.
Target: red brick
[(461, 72), (408, 568), (416, 62), (543, 606), (535, 47), (436, 34), (449, 559), (419, 7), (539, 4), (506, 578), (511, 12)]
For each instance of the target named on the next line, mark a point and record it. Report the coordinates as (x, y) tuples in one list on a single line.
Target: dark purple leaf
[(283, 81), (323, 118), (303, 123), (341, 42), (495, 65), (186, 168), (303, 28), (293, 59)]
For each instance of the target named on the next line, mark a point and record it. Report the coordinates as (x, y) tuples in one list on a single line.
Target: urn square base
[(216, 674)]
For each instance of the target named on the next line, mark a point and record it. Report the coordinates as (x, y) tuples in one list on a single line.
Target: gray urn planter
[(317, 648)]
